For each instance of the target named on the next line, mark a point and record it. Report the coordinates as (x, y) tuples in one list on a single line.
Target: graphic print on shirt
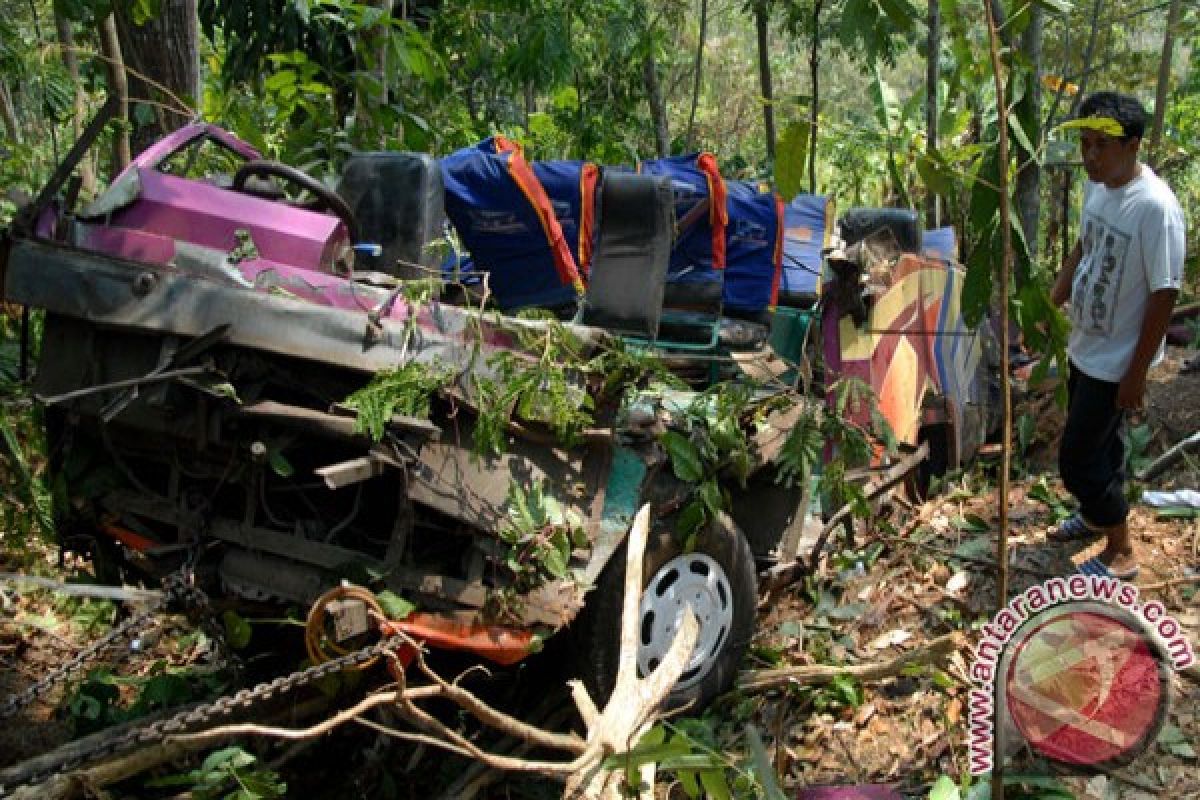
[(1095, 294)]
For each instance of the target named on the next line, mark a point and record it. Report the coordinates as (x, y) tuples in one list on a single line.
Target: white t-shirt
[(1133, 244)]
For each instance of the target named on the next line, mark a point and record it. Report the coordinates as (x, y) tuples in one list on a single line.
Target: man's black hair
[(1124, 109)]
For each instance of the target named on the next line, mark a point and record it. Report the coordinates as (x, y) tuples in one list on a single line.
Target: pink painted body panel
[(208, 216)]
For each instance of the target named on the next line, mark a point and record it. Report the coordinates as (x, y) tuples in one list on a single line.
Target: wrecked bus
[(281, 395)]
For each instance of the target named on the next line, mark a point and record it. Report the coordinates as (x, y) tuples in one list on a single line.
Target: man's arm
[(1154, 327), (1061, 291)]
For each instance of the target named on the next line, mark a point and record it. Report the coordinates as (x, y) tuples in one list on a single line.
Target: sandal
[(1097, 568), (1074, 529)]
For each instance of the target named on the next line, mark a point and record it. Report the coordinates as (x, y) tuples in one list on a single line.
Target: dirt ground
[(907, 731)]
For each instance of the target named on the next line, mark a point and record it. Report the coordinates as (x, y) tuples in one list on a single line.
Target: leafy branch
[(405, 390), (540, 535), (803, 449)]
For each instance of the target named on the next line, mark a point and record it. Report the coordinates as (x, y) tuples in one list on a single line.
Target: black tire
[(596, 633), (936, 464)]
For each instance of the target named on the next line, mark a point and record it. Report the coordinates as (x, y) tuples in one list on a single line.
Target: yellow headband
[(1105, 125)]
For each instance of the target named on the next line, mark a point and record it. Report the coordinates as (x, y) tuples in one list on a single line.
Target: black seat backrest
[(633, 248), (398, 200)]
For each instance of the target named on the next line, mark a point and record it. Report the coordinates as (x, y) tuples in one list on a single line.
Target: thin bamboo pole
[(1006, 440)]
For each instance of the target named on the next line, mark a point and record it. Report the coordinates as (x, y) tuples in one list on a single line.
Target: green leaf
[(650, 750), (237, 630), (900, 13), (685, 458), (937, 177), (847, 690), (1018, 132), (1026, 430), (282, 78), (691, 786), (981, 789), (1056, 6), (710, 495), (977, 286), (944, 789), (164, 691), (279, 464), (791, 154), (974, 548), (1174, 741), (555, 561), (764, 770), (713, 781), (395, 606), (690, 520), (973, 523), (566, 99), (233, 757)]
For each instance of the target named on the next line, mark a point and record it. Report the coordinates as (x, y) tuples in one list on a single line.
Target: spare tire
[(716, 578), (901, 224)]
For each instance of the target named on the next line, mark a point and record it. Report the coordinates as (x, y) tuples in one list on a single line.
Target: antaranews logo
[(1078, 670)]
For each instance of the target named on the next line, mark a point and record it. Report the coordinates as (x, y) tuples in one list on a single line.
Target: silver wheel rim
[(691, 579)]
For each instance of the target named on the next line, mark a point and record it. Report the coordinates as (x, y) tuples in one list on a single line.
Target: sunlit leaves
[(876, 27), (791, 156)]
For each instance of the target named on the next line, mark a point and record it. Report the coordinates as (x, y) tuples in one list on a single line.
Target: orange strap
[(523, 175), (496, 643), (777, 256), (718, 213), (588, 178)]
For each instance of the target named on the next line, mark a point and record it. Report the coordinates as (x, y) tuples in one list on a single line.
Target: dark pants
[(1091, 456)]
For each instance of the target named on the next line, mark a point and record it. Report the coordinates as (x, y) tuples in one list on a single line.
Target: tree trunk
[(1028, 111), (814, 107), (1164, 81), (658, 106), (699, 71), (164, 57), (9, 112), (66, 40), (761, 21), (118, 83), (530, 103), (933, 50), (1005, 267), (110, 46), (384, 45), (372, 57)]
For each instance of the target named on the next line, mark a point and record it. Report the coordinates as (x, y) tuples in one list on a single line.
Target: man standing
[(1121, 278)]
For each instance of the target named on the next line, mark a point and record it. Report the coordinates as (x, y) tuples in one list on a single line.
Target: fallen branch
[(977, 560), (782, 575), (893, 476), (86, 781), (935, 652), (1176, 452)]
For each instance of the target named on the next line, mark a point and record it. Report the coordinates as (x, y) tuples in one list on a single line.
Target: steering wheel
[(326, 198)]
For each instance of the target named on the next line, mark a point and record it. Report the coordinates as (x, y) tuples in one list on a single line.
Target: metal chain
[(15, 703), (188, 719), (179, 592)]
